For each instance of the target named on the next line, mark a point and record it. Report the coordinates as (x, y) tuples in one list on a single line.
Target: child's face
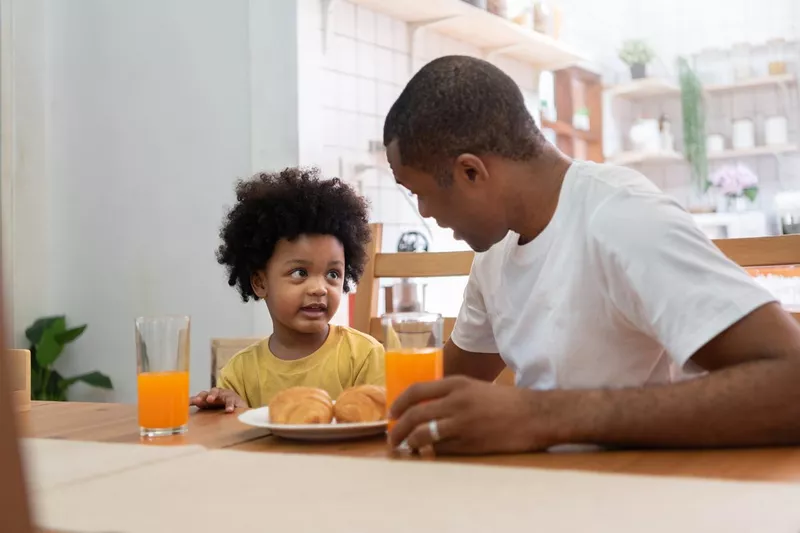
[(303, 282)]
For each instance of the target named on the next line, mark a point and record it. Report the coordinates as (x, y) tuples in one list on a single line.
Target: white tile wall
[(366, 68), (368, 64)]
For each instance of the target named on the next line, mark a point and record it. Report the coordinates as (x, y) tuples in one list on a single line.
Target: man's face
[(471, 205)]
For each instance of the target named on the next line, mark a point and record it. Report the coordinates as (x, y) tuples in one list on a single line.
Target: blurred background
[(124, 125)]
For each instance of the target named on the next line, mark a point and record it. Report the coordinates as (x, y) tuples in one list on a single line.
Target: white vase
[(737, 204)]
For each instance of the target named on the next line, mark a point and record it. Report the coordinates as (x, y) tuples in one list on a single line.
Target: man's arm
[(482, 366), (750, 397)]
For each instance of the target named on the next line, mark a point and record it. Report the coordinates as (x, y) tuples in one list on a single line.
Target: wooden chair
[(223, 349), (14, 502), (753, 253), (18, 366)]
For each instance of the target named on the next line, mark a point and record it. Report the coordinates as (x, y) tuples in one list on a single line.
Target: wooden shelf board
[(753, 152), (462, 21), (657, 87), (565, 128), (644, 88), (765, 81), (634, 158)]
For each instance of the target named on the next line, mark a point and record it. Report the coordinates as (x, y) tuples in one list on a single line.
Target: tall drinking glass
[(413, 343), (162, 365)]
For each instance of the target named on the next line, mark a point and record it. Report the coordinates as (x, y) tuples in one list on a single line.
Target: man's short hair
[(456, 105)]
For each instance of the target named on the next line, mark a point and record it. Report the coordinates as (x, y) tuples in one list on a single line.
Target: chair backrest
[(754, 254), (18, 366), (223, 349), (14, 502)]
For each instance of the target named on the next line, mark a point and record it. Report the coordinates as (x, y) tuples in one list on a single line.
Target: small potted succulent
[(636, 54)]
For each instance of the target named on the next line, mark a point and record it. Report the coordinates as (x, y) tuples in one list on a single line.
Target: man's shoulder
[(624, 206), (597, 186)]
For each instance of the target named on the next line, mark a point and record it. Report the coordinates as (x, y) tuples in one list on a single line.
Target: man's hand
[(216, 399), (473, 417)]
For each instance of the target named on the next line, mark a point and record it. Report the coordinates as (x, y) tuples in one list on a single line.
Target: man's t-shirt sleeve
[(473, 329), (665, 276)]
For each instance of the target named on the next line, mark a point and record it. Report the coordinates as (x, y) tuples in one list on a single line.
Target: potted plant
[(636, 54), (48, 336), (694, 127)]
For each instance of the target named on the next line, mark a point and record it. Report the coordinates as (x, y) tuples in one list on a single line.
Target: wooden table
[(214, 429)]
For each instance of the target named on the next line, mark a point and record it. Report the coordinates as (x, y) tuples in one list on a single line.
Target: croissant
[(301, 405), (365, 403)]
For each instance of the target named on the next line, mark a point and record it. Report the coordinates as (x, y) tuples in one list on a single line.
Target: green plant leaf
[(48, 349), (35, 331), (58, 325), (694, 124), (70, 335), (95, 379), (636, 51), (56, 391), (34, 362), (37, 383), (751, 193)]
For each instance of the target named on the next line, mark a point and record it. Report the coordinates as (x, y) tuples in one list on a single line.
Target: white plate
[(319, 432)]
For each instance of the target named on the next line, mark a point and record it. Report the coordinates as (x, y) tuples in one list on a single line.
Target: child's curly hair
[(285, 205)]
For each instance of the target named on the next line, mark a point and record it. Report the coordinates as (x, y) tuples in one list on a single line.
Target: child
[(298, 242)]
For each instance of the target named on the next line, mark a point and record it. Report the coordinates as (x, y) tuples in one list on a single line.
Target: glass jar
[(480, 4), (498, 7), (543, 17)]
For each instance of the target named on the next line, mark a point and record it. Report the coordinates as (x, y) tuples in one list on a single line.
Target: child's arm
[(372, 371), (224, 395), (217, 398)]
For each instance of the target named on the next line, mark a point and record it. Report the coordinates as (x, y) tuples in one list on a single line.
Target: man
[(592, 286)]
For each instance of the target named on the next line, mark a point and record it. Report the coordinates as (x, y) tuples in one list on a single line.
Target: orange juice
[(406, 367), (163, 399)]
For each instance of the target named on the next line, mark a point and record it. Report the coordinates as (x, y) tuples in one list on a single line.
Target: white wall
[(25, 212), (124, 132), (150, 125)]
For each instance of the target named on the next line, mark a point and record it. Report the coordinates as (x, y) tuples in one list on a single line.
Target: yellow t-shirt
[(347, 358)]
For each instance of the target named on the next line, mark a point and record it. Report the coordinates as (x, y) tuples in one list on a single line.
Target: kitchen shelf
[(492, 34), (658, 87), (635, 158), (765, 81), (644, 88), (753, 152), (565, 128)]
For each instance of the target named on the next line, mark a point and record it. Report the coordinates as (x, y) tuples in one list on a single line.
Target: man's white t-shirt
[(619, 290)]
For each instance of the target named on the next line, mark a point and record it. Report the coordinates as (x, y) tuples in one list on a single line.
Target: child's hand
[(217, 398)]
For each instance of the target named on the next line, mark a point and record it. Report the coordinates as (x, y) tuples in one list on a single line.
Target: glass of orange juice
[(162, 364), (413, 343)]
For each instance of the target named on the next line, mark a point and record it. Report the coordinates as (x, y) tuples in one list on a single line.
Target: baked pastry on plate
[(365, 403), (301, 405)]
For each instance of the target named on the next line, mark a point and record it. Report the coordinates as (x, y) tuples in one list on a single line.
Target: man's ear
[(470, 168), (259, 283)]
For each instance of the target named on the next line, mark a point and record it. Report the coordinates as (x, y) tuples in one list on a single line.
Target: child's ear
[(259, 283)]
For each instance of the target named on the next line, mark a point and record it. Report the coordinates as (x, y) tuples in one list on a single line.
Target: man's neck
[(535, 194), (291, 345)]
